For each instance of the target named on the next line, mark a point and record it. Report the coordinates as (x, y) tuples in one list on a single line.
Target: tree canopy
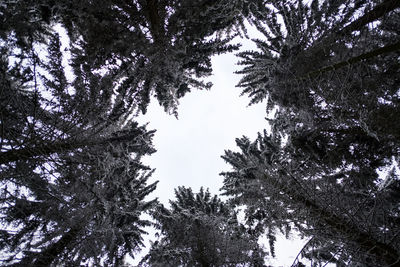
[(332, 78), (75, 75), (216, 237), (72, 184)]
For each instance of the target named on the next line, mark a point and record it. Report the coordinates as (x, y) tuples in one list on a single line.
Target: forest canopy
[(76, 74)]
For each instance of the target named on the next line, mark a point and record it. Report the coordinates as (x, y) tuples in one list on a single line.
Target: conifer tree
[(313, 37), (201, 230), (83, 210), (72, 184), (154, 47), (282, 191), (147, 48), (334, 83)]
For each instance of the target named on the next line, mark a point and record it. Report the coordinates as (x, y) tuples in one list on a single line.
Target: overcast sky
[(189, 148)]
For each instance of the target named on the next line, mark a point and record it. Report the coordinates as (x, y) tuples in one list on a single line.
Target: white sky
[(189, 149)]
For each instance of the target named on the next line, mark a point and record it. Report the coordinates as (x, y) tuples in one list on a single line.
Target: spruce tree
[(85, 209), (153, 48), (328, 71), (283, 191), (73, 186), (201, 230)]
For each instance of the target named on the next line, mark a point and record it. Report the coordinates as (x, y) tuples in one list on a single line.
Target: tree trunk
[(383, 253), (353, 60), (156, 25), (374, 14), (320, 45), (379, 11)]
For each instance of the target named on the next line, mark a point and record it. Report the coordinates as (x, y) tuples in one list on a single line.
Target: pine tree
[(353, 221), (201, 230), (72, 184), (334, 82), (85, 210), (311, 38), (160, 48), (146, 48)]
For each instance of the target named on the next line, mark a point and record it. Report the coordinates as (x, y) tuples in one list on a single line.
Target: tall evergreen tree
[(160, 48), (334, 81), (83, 210), (201, 230), (282, 191), (310, 38), (72, 184)]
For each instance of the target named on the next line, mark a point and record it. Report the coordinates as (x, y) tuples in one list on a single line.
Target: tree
[(72, 184), (201, 230), (88, 213), (160, 48), (42, 113), (310, 38), (283, 192), (329, 73)]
